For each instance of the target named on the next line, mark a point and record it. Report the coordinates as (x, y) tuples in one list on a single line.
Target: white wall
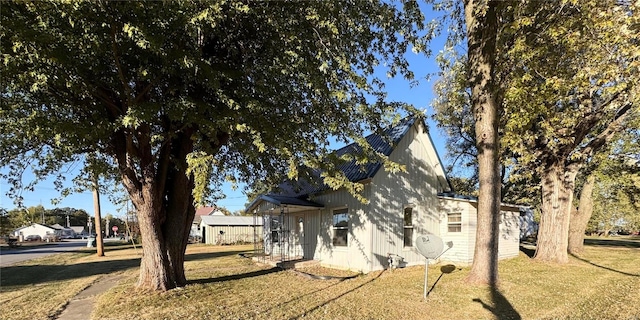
[(231, 234), (464, 242), (35, 229), (357, 254), (417, 188)]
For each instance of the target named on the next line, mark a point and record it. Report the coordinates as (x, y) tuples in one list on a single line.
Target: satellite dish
[(429, 246)]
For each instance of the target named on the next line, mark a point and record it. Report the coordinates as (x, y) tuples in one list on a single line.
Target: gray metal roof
[(296, 193), (229, 221), (384, 144)]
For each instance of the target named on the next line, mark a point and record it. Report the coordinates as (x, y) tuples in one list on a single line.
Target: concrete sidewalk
[(81, 306)]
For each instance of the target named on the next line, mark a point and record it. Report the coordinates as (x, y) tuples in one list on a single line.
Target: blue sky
[(398, 89)]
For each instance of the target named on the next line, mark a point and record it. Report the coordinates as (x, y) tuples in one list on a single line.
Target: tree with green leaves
[(616, 168), (573, 75), (173, 98), (568, 77)]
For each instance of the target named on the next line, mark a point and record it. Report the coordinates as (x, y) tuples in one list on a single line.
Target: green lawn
[(603, 283)]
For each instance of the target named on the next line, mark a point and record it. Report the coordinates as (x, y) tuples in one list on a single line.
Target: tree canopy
[(567, 77), (173, 98)]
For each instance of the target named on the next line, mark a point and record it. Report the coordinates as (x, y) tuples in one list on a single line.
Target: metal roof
[(296, 193), (229, 221), (384, 144)]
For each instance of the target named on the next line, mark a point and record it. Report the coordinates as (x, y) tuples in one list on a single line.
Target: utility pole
[(96, 208)]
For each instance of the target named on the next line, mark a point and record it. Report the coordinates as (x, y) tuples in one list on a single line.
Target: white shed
[(220, 229)]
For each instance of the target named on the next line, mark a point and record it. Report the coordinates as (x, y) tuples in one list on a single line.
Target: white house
[(34, 229), (221, 229), (339, 231)]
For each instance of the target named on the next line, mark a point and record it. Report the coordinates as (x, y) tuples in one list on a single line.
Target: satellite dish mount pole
[(426, 274)]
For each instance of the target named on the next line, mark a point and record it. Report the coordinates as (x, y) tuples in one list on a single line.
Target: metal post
[(426, 274)]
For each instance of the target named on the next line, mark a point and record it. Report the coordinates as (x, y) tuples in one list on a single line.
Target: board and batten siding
[(356, 255), (393, 192), (230, 234)]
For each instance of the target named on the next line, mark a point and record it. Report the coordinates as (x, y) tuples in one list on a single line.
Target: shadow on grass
[(299, 297), (501, 307), (303, 313), (528, 251), (625, 243), (235, 276), (446, 269), (36, 274), (604, 267), (211, 255)]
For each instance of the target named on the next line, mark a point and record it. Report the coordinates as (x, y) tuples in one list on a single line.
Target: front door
[(300, 236)]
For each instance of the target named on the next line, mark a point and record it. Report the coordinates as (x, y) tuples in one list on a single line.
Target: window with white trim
[(408, 227), (454, 222), (340, 227), (275, 229)]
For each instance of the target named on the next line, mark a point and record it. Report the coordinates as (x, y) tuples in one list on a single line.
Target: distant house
[(78, 229), (221, 229), (34, 229), (63, 232), (303, 221), (200, 212)]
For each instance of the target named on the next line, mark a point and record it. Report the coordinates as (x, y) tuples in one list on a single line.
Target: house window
[(340, 227), (408, 227), (275, 227), (454, 222)]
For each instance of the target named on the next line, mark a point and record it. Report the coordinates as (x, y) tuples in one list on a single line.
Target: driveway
[(11, 256)]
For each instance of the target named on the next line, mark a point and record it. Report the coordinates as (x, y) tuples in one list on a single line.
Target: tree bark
[(161, 191), (165, 221), (482, 28), (558, 183), (580, 217)]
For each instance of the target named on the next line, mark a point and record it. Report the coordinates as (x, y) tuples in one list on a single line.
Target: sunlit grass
[(601, 283)]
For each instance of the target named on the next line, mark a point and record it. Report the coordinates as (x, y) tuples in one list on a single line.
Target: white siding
[(417, 187), (464, 242), (509, 244), (34, 229), (230, 234), (357, 254)]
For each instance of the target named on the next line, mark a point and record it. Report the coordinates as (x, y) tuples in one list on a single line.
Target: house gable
[(413, 190)]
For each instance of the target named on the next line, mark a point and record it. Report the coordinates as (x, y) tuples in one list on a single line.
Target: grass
[(601, 283)]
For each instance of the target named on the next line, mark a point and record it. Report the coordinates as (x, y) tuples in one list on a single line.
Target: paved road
[(9, 257)]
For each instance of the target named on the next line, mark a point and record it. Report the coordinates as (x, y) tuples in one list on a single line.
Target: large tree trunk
[(580, 218), (164, 203), (482, 28), (558, 183)]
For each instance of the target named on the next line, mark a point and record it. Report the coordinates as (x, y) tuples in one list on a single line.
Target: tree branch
[(605, 136), (116, 58)]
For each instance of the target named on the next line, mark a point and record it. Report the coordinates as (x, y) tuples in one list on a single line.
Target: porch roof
[(294, 204)]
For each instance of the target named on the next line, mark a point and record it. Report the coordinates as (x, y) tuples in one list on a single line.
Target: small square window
[(454, 222)]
